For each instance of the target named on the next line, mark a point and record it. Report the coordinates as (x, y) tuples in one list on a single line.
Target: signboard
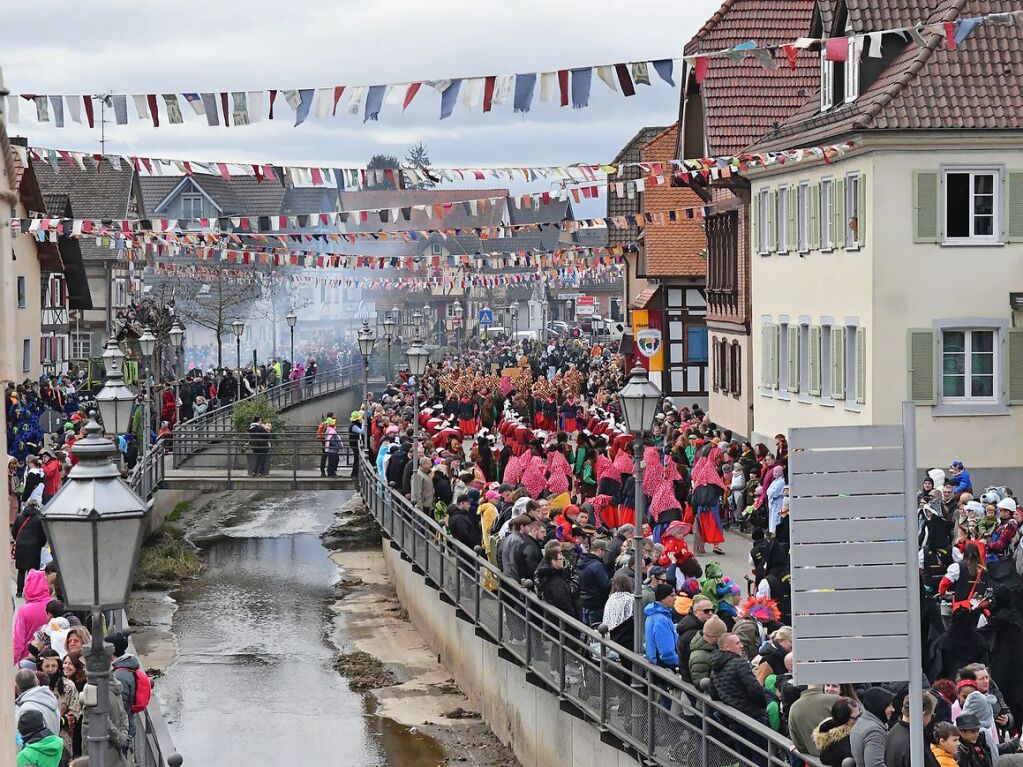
[(486, 317), (851, 563), (648, 342), (585, 306), (641, 322)]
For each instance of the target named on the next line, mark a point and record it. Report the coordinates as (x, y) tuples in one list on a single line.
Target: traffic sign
[(585, 306), (486, 317)]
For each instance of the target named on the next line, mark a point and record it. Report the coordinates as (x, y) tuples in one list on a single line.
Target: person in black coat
[(552, 582), (732, 681), (442, 485), (29, 538), (594, 583), (464, 527), (530, 553)]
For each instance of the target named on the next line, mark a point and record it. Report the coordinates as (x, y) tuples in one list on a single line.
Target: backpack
[(143, 691)]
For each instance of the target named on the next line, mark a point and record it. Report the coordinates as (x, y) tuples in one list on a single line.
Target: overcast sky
[(123, 46)]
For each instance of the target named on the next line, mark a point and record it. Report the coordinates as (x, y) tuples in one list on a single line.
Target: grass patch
[(363, 671), (167, 559), (179, 511)]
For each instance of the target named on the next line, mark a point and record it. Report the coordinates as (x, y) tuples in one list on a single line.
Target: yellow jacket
[(944, 758), (488, 513)]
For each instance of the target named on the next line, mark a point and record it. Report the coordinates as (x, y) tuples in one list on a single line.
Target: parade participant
[(705, 501)]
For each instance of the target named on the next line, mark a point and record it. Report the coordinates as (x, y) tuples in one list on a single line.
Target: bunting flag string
[(238, 108), (590, 175), (952, 33)]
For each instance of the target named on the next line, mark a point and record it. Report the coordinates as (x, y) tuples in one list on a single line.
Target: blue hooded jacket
[(963, 482), (660, 635)]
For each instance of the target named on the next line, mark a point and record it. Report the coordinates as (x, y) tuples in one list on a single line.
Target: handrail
[(651, 712)]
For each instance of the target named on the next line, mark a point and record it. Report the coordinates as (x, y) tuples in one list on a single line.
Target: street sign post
[(585, 306), (486, 317)]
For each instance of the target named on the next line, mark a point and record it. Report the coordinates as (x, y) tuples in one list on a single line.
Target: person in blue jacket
[(961, 477), (659, 630)]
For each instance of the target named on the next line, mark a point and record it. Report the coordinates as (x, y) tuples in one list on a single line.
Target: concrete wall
[(163, 504), (309, 414), (525, 717)]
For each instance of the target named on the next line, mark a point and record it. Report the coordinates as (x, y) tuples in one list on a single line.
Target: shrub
[(245, 411)]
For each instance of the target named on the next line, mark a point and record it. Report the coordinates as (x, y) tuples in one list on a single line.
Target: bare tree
[(418, 156), (215, 298)]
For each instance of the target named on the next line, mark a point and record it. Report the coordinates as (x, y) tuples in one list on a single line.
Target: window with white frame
[(852, 211), (120, 292), (781, 218), (437, 248), (764, 240), (971, 200), (827, 205), (827, 82), (193, 205), (852, 69), (803, 217), (969, 365), (81, 345)]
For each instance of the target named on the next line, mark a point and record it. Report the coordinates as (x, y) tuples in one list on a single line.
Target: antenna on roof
[(104, 100)]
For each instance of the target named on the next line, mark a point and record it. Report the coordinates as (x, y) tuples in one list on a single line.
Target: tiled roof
[(19, 170), (675, 248), (732, 117), (103, 194), (973, 87), (236, 197), (623, 206)]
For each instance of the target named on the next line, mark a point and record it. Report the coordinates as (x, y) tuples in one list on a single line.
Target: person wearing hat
[(355, 431), (870, 733), (41, 747), (1006, 530), (690, 627), (974, 750), (51, 474), (702, 648), (659, 631), (961, 478), (123, 668)]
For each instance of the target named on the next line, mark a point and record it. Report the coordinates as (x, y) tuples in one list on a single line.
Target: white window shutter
[(861, 210), (838, 363), (814, 203), (839, 223), (814, 363), (765, 355), (791, 236), (793, 359), (861, 365), (772, 356), (772, 214), (754, 210)]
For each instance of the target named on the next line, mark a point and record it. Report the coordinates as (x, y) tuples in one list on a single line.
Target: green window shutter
[(861, 365), (772, 372), (815, 215), (1014, 206), (1015, 366), (921, 366), (793, 359), (791, 242), (765, 355), (838, 363), (838, 220), (925, 206), (755, 224), (772, 209), (814, 363), (861, 210)]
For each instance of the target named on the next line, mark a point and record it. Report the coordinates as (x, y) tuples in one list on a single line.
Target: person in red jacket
[(51, 472)]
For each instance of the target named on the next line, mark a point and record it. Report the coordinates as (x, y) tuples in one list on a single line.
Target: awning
[(644, 298)]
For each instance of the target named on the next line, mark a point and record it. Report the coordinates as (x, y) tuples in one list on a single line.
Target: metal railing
[(145, 478), (194, 435), (642, 709)]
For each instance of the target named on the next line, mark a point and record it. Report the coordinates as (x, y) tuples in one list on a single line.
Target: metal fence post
[(230, 459)]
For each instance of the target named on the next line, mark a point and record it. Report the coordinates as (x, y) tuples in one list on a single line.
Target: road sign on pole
[(486, 317)]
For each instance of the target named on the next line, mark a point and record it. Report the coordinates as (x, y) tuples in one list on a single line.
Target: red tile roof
[(974, 87), (733, 119), (675, 248)]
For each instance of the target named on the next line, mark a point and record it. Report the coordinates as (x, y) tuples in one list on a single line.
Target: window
[(763, 218), (827, 205), (781, 218), (968, 365), (437, 248), (971, 204), (120, 292), (54, 292), (735, 369), (192, 205), (22, 292), (852, 69), (852, 224), (81, 345), (827, 82), (696, 341), (803, 217), (26, 355)]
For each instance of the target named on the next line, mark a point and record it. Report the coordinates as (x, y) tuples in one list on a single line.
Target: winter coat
[(867, 741), (117, 737), (660, 635), (45, 752), (32, 614), (124, 670), (594, 583), (747, 629), (424, 483), (942, 757), (528, 557), (832, 742), (507, 554), (772, 661), (29, 537), (687, 628), (552, 585), (812, 708), (39, 699), (700, 651), (464, 528), (732, 682), (442, 487)]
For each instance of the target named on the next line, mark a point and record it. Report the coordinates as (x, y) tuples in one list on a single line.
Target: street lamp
[(292, 318), (418, 358), (515, 315), (177, 337), (458, 315), (115, 400), (366, 342), (147, 342), (428, 322), (94, 525), (389, 325), (239, 329), (639, 406)]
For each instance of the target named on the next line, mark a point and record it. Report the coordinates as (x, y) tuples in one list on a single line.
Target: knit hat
[(714, 627), (663, 590)]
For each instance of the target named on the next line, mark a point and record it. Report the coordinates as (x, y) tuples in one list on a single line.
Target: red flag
[(488, 92), (87, 100), (317, 176), (258, 174), (625, 79), (338, 90), (701, 68), (791, 52), (950, 34), (410, 94), (837, 49), (563, 86), (153, 110), (222, 167)]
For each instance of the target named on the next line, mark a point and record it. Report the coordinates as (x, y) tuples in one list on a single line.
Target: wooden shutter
[(1014, 206), (925, 206), (793, 359), (814, 363), (765, 355), (921, 366), (791, 237), (715, 364), (772, 338), (814, 191), (838, 220), (772, 210), (1015, 366), (861, 210), (861, 365), (838, 363), (755, 224)]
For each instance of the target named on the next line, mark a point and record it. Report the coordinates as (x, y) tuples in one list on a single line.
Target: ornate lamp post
[(239, 330), (115, 400), (147, 342), (292, 318), (515, 315), (94, 525), (367, 340), (418, 358), (639, 406), (389, 325), (177, 338), (429, 323), (457, 309)]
